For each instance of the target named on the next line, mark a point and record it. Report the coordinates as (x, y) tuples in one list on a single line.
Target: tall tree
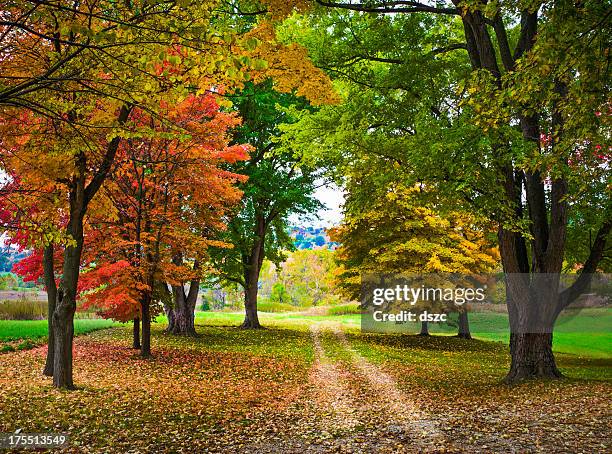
[(278, 185), (478, 132), (70, 144)]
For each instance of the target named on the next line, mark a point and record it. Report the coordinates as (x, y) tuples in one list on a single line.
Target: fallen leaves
[(280, 390)]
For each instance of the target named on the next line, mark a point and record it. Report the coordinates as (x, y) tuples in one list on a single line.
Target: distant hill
[(311, 238)]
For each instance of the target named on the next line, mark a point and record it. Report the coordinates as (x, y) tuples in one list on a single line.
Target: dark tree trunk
[(145, 311), (183, 313), (251, 319), (170, 315), (252, 265), (136, 334), (63, 332), (532, 357), (464, 326), (49, 277), (424, 329), (65, 307)]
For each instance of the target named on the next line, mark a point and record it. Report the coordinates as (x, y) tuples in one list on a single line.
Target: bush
[(268, 306), (24, 309), (345, 309)]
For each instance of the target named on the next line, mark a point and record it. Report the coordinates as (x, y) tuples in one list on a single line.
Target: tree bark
[(464, 326), (532, 357), (145, 311), (251, 319), (63, 328), (136, 334), (424, 329), (183, 313), (49, 277), (252, 265)]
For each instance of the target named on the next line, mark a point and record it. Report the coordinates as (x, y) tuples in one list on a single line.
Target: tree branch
[(390, 7), (590, 266), (109, 157)]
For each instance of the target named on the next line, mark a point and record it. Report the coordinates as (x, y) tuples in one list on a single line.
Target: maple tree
[(64, 148), (169, 195)]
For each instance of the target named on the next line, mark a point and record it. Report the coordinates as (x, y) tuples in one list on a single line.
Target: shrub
[(23, 309), (345, 309), (269, 306), (26, 345), (7, 348)]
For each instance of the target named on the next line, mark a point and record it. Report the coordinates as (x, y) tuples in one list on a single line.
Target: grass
[(271, 306), (213, 392), (15, 330), (586, 333), (345, 309), (22, 309)]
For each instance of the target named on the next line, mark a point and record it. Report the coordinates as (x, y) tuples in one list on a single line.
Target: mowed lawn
[(13, 330), (584, 333), (233, 390)]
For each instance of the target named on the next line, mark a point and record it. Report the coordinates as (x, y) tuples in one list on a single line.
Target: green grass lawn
[(586, 333), (14, 330)]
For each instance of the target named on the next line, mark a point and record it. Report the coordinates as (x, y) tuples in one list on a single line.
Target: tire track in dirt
[(350, 406), (332, 385), (397, 406)]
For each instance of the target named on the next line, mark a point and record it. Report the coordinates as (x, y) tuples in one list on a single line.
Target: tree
[(477, 132), (390, 229), (60, 137), (277, 186), (310, 277), (279, 293), (169, 194)]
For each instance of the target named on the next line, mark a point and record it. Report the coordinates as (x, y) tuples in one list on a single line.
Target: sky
[(332, 197)]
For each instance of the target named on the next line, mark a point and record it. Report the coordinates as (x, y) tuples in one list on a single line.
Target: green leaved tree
[(278, 185)]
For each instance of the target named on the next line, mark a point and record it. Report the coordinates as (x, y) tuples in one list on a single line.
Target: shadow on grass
[(434, 342)]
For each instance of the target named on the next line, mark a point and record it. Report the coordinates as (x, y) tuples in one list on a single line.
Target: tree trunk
[(65, 307), (49, 277), (251, 319), (252, 266), (145, 311), (168, 309), (532, 357), (183, 313), (136, 334), (63, 332), (424, 329), (464, 326)]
